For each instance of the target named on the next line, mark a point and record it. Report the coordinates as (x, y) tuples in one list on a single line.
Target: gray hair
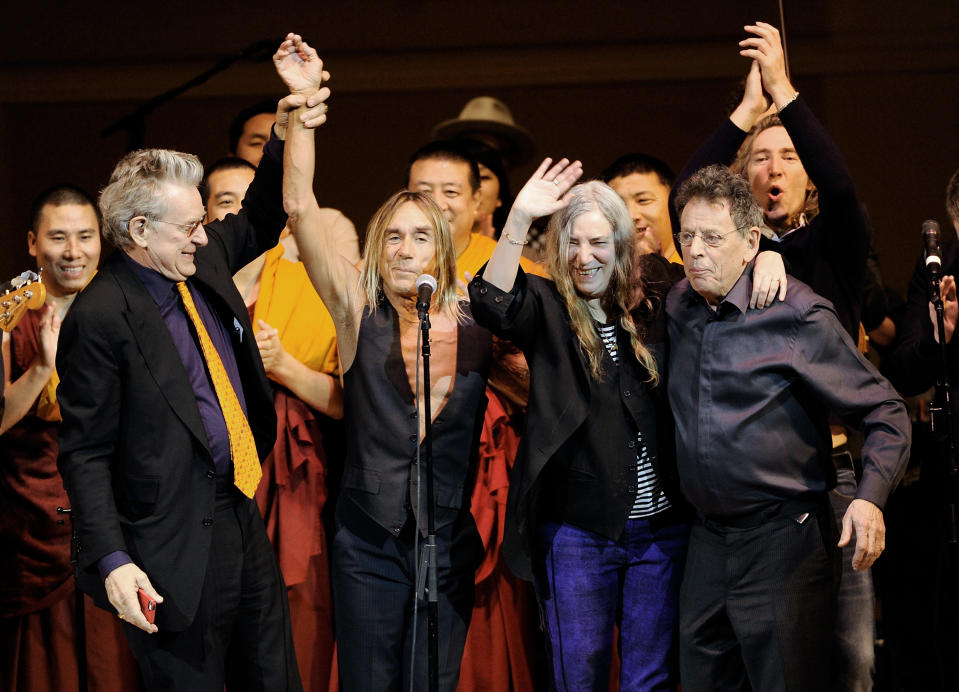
[(718, 184), (135, 188), (583, 199)]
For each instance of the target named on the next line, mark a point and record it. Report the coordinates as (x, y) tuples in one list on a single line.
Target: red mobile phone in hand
[(148, 605)]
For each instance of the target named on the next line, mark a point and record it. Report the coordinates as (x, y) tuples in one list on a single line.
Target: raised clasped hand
[(299, 66), (545, 192), (766, 48), (754, 98)]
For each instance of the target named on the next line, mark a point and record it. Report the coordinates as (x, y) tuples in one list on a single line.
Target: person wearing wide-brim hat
[(490, 120)]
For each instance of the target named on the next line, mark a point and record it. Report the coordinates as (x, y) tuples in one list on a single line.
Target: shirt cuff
[(274, 147), (875, 489), (111, 561)]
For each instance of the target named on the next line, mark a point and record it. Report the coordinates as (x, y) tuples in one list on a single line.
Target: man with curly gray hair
[(753, 451), (166, 414)]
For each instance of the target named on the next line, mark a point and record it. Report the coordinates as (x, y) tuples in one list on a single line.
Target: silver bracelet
[(515, 242), (779, 109)]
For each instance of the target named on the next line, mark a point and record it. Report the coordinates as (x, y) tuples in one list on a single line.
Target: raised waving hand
[(543, 194)]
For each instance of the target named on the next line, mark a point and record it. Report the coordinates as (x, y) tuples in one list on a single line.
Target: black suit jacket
[(534, 317), (134, 455)]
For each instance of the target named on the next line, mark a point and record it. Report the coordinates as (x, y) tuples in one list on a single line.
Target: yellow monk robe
[(478, 252), (288, 302), (675, 258)]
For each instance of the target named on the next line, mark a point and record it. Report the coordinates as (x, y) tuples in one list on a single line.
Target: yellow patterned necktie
[(246, 461)]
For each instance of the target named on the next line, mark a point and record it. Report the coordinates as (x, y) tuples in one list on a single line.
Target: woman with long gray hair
[(594, 516)]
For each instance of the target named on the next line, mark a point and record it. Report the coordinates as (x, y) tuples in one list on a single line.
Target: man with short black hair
[(643, 181), (38, 627), (224, 185), (445, 170), (250, 131)]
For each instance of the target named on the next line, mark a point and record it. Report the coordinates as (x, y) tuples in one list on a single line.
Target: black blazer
[(534, 318), (134, 455)]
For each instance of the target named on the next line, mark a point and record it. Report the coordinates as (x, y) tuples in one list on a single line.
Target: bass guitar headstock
[(22, 293)]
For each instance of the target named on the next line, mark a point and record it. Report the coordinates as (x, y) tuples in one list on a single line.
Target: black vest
[(382, 429)]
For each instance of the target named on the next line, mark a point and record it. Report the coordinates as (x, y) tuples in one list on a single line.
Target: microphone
[(930, 240), (425, 287)]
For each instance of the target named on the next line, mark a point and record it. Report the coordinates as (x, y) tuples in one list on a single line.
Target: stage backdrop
[(588, 80)]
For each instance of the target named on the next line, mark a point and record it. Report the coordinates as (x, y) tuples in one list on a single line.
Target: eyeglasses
[(189, 228), (710, 238)]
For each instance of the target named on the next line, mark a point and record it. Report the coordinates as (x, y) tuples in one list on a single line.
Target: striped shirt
[(650, 498)]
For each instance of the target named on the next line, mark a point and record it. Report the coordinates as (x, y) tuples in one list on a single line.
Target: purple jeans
[(585, 583)]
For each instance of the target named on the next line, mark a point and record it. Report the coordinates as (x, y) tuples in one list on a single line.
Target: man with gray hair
[(754, 454), (166, 414)]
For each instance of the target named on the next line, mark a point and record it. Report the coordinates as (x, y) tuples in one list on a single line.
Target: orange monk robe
[(500, 644), (293, 490)]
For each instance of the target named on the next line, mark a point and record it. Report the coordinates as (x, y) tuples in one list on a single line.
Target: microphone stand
[(135, 123), (80, 635), (427, 578), (940, 413)]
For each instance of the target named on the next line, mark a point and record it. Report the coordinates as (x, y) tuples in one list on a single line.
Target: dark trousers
[(854, 637), (240, 636), (587, 583), (757, 604), (373, 595)]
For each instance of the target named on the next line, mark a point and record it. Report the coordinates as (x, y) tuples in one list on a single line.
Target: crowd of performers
[(659, 454)]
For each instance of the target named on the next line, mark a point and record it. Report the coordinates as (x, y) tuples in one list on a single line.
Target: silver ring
[(556, 182)]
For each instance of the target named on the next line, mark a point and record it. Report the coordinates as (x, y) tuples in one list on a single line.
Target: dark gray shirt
[(751, 391)]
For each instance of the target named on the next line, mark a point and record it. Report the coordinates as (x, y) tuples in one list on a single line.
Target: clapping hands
[(765, 47)]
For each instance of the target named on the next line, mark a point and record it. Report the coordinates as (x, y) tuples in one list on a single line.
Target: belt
[(804, 504)]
